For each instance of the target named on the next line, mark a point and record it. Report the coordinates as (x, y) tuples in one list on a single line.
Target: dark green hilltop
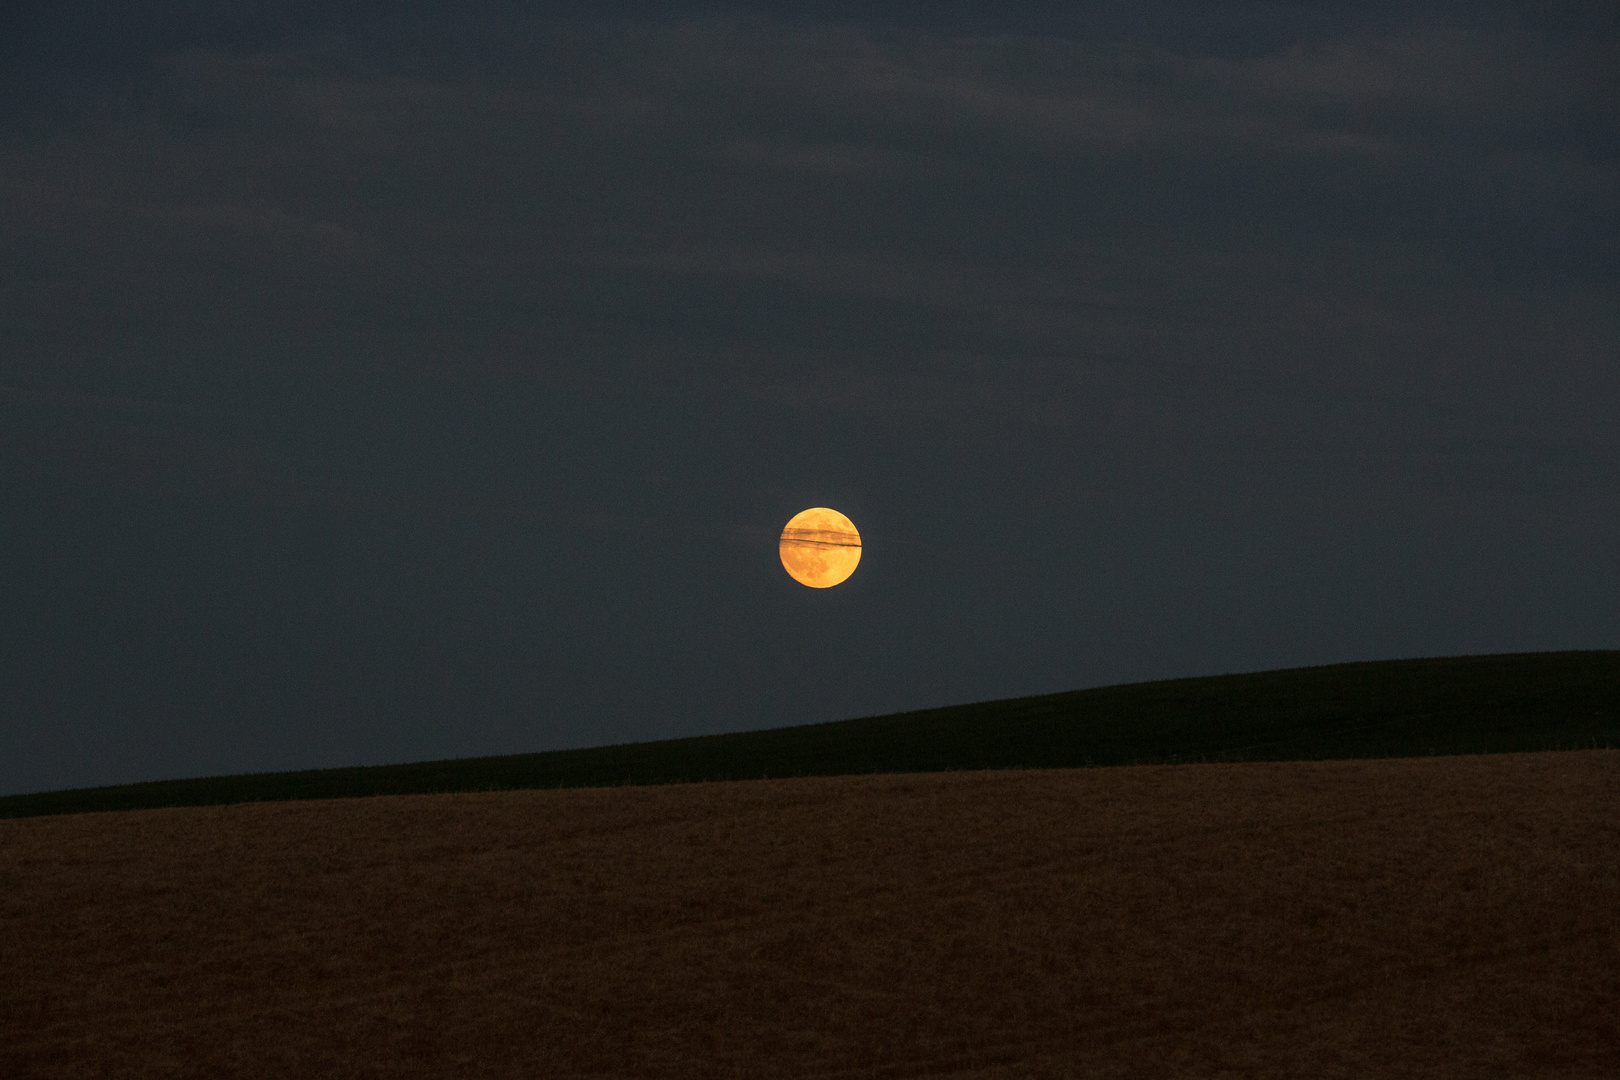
[(1394, 708)]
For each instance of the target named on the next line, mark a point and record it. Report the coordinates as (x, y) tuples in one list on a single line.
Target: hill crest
[(1393, 708)]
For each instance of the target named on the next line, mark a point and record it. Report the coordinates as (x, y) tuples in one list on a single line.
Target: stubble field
[(1436, 917)]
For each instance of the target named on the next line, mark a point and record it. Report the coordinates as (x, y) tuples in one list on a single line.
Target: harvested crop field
[(1445, 917)]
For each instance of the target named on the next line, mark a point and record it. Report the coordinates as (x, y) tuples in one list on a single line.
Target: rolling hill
[(1396, 708)]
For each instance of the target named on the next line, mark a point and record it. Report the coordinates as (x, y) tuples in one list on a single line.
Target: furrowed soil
[(1435, 917)]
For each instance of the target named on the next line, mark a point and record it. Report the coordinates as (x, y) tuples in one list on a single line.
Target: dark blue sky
[(387, 383)]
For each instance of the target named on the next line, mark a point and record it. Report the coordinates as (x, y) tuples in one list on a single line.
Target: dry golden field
[(1437, 917)]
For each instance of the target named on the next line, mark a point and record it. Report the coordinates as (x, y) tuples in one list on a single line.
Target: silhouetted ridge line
[(1394, 708)]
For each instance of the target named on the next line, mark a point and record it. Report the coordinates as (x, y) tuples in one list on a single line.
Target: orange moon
[(820, 547)]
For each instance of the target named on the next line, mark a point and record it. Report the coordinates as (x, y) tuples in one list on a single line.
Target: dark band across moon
[(820, 536)]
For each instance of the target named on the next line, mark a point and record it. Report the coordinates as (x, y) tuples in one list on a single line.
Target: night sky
[(383, 382)]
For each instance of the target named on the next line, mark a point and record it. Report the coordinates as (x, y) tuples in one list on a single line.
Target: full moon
[(820, 547)]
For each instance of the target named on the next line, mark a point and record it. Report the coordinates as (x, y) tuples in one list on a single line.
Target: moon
[(820, 547)]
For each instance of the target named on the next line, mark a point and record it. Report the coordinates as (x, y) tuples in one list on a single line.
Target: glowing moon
[(820, 547)]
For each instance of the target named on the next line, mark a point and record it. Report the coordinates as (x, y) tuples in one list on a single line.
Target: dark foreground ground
[(1437, 917)]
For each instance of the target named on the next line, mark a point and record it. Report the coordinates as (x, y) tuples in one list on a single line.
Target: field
[(1431, 917), (1397, 708)]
